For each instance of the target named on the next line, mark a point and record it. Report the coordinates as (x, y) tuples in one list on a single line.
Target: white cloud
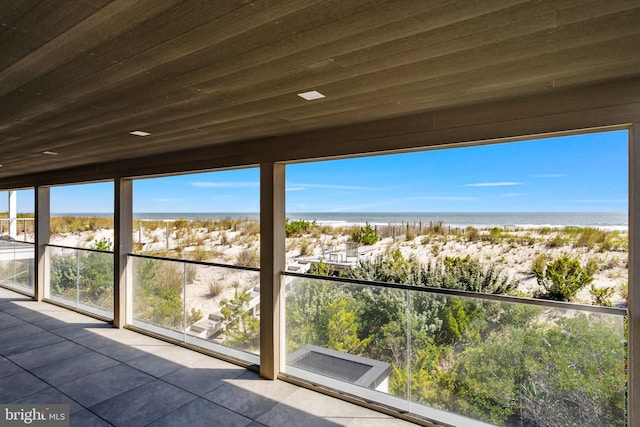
[(230, 184), (512, 195), (304, 186), (452, 198), (493, 184)]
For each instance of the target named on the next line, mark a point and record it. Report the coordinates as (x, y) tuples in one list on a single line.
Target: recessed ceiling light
[(139, 133), (50, 153), (311, 95)]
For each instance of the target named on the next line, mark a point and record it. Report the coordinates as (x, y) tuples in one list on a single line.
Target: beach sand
[(514, 255)]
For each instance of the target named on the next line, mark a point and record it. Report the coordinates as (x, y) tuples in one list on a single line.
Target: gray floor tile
[(62, 371), (121, 352), (37, 340), (105, 384), (8, 368), (20, 385), (49, 323), (51, 396), (154, 365), (73, 331), (143, 404), (36, 316), (87, 418), (92, 341), (201, 381), (286, 416), (322, 405), (48, 354), (313, 409), (18, 332), (250, 395), (8, 321), (202, 413)]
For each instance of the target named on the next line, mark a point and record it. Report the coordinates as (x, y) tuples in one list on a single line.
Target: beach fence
[(23, 225), (416, 228)]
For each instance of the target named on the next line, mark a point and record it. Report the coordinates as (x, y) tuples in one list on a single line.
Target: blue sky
[(574, 173)]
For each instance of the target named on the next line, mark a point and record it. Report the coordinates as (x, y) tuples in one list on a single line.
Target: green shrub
[(562, 279), (103, 244), (365, 235), (472, 234), (602, 296), (298, 227), (194, 316)]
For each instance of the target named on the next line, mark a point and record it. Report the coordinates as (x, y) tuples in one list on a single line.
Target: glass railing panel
[(334, 331), (17, 265), (64, 273), (95, 288), (470, 360), (211, 306), (82, 278), (158, 294)]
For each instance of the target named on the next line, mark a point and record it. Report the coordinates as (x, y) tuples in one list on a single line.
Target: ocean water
[(602, 220)]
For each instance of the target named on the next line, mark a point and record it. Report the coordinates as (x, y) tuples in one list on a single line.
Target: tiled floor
[(118, 377)]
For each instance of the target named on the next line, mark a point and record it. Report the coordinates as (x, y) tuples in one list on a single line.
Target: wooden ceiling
[(77, 76)]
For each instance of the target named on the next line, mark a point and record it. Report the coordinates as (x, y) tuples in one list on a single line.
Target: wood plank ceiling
[(77, 76)]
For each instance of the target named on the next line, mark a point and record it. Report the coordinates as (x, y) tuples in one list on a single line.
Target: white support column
[(272, 262), (633, 415), (122, 245), (13, 214), (42, 231)]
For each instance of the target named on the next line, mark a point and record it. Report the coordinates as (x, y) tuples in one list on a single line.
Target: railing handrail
[(80, 249), (14, 241), (469, 294), (204, 263)]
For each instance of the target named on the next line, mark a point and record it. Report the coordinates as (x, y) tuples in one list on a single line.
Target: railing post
[(42, 233), (122, 246), (77, 278), (633, 413), (13, 214), (272, 263)]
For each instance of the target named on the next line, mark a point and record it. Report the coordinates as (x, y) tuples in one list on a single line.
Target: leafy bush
[(562, 279), (241, 329), (298, 227), (602, 296), (103, 244), (194, 316), (547, 375), (472, 234), (365, 235)]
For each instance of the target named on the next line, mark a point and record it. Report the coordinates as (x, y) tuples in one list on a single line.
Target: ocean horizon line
[(613, 220)]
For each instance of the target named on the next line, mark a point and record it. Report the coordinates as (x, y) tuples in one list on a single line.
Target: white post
[(13, 226)]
